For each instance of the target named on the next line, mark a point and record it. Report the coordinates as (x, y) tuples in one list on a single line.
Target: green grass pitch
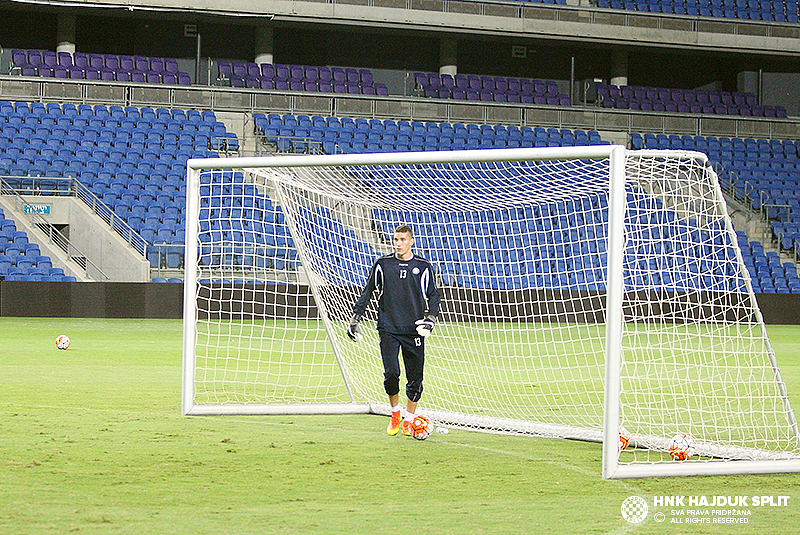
[(93, 442)]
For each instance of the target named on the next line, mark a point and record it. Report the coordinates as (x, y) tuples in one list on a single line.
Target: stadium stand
[(765, 172), (522, 260), (106, 67), (239, 209), (684, 101), (291, 133), (760, 10), (299, 78), (490, 88), (517, 264), (133, 159)]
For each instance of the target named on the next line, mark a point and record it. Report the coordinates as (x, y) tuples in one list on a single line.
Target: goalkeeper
[(408, 306)]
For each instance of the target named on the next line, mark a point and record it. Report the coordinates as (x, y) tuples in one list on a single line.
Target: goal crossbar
[(408, 158)]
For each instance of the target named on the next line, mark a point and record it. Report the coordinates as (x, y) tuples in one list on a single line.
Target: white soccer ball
[(681, 447), (62, 341)]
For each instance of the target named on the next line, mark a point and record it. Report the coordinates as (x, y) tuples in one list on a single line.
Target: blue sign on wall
[(43, 209)]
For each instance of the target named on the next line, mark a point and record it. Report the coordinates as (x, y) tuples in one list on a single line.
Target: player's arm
[(426, 324), (354, 330)]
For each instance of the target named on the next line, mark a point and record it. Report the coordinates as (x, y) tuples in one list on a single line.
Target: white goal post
[(585, 290)]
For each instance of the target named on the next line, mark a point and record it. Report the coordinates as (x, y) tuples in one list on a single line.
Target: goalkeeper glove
[(425, 325), (354, 330)]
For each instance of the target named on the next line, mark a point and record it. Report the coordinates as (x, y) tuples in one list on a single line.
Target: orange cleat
[(394, 424), (407, 428)]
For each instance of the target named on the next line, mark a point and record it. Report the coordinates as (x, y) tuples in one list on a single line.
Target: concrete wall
[(775, 88), (105, 247), (782, 89)]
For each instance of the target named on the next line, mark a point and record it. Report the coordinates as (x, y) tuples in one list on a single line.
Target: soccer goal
[(585, 290)]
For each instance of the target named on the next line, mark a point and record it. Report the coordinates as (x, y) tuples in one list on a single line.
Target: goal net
[(584, 290)]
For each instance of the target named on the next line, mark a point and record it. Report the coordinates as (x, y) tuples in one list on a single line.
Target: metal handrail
[(54, 235), (763, 198), (312, 146), (739, 188), (766, 206), (117, 224)]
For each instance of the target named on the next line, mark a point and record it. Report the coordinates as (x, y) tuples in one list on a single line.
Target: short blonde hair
[(405, 229)]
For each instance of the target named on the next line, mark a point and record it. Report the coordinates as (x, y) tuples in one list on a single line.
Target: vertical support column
[(65, 33), (198, 59), (190, 287), (619, 68), (264, 45), (448, 56), (617, 200)]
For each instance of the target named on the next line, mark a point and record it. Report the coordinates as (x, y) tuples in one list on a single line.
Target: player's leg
[(414, 362), (390, 348)]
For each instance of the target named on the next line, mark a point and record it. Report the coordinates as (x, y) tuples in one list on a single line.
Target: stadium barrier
[(91, 299), (165, 301)]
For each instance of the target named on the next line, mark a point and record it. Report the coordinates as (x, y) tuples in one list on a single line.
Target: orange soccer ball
[(624, 438), (421, 427)]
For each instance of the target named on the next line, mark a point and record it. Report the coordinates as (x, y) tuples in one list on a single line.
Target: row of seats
[(331, 135), (489, 88), (720, 146), (108, 67), (21, 259), (155, 70), (101, 110), (300, 78), (684, 101), (766, 10), (99, 115), (129, 126)]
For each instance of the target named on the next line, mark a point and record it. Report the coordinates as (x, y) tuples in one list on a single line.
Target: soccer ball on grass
[(421, 427), (681, 447), (62, 341), (624, 438)]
